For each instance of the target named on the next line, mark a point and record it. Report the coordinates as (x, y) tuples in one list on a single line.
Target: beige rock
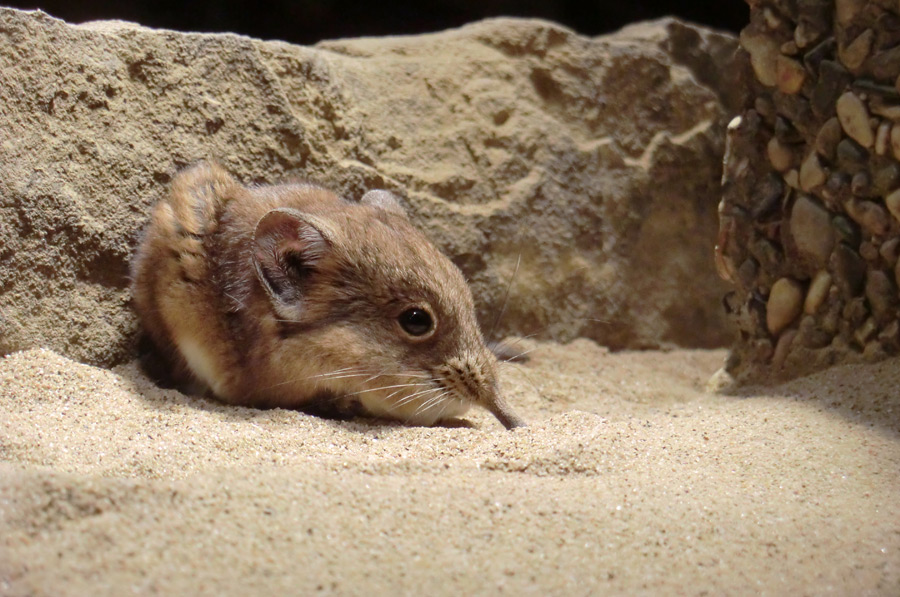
[(812, 174), (764, 52), (789, 48), (856, 52), (882, 137), (864, 332), (773, 21), (494, 135), (889, 111), (780, 156), (784, 305), (811, 229), (792, 178), (805, 34), (818, 292), (789, 73), (854, 119), (782, 348), (892, 201), (868, 214), (828, 137), (889, 250)]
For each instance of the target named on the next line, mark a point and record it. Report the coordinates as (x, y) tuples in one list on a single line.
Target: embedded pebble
[(792, 178), (764, 53), (885, 64), (810, 335), (782, 348), (780, 156), (836, 189), (855, 311), (818, 292), (850, 156), (864, 332), (874, 92), (789, 74), (849, 271), (892, 201), (881, 138), (796, 109), (805, 34), (784, 304), (812, 174), (828, 138), (773, 21), (810, 227), (861, 184), (890, 250), (764, 106), (813, 58), (854, 119), (868, 251), (881, 294), (833, 79), (789, 48), (868, 214), (847, 231), (886, 179), (890, 112), (856, 52)]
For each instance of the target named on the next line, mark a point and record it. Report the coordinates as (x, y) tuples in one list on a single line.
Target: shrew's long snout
[(498, 407)]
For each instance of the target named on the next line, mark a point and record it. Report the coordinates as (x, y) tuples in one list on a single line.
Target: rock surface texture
[(810, 216), (593, 164)]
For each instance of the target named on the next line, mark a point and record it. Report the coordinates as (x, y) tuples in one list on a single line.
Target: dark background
[(308, 21)]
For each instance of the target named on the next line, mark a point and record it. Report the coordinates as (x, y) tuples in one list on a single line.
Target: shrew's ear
[(287, 248), (383, 200)]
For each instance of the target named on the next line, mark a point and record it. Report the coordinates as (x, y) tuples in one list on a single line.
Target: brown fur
[(282, 295)]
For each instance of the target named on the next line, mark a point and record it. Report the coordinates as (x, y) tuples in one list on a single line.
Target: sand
[(630, 480)]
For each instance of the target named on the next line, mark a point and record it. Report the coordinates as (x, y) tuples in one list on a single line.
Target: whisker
[(417, 411), (443, 410), (332, 374), (519, 355), (411, 397), (431, 403), (506, 296), (402, 385)]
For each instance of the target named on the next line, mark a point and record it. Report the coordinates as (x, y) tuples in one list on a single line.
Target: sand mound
[(630, 480)]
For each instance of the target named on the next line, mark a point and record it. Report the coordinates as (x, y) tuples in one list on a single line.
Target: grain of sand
[(630, 480)]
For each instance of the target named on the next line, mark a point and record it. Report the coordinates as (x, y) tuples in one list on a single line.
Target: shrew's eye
[(416, 321)]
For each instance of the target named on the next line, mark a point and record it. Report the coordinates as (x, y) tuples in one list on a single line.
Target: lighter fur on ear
[(285, 238), (383, 200)]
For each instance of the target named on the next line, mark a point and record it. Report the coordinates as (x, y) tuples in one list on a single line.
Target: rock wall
[(593, 164), (810, 217)]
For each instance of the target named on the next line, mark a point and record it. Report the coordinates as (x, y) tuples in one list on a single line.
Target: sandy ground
[(630, 480)]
